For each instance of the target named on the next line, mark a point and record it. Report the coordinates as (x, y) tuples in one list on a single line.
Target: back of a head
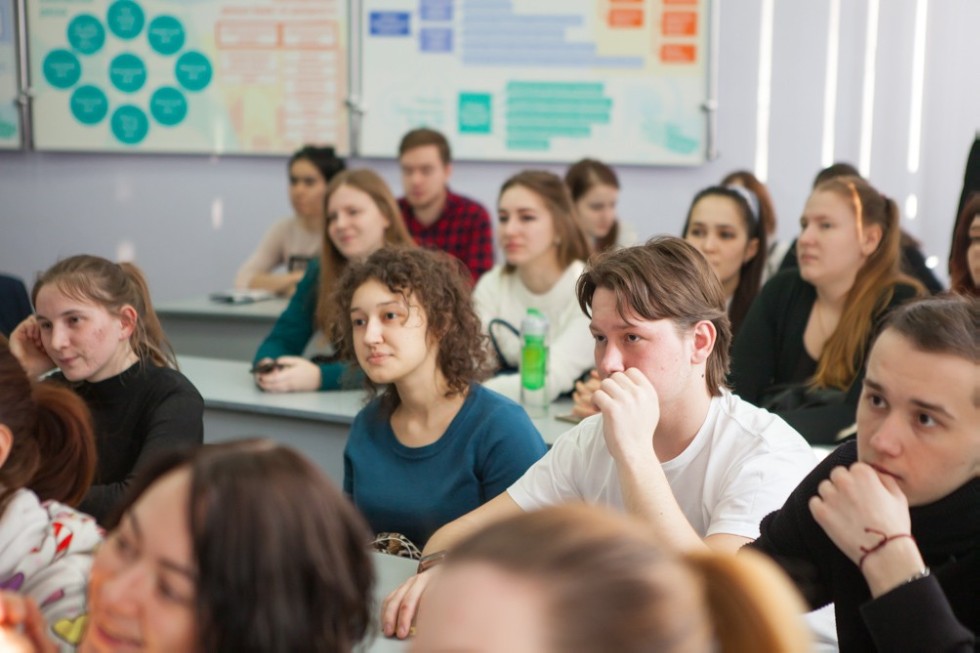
[(666, 278), (281, 556), (111, 285), (609, 587), (52, 448)]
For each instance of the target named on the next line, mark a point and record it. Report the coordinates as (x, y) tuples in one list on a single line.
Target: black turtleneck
[(138, 414), (936, 613)]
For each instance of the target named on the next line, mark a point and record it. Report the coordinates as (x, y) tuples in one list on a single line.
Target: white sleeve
[(572, 351), (558, 477), (267, 257)]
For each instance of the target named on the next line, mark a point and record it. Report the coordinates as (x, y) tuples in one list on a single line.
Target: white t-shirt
[(741, 465), (504, 297), (287, 237)]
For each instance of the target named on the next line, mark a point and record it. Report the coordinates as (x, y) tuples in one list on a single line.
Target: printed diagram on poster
[(9, 115), (546, 80), (223, 76)]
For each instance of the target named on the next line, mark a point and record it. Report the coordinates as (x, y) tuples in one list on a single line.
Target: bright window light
[(918, 81), (868, 97), (830, 86), (911, 206), (765, 91)]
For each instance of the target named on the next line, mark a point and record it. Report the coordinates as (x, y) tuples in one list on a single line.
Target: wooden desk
[(201, 327), (315, 423)]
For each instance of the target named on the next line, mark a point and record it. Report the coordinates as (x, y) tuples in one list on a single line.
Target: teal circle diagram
[(89, 105), (61, 68), (168, 106), (193, 71), (127, 72), (86, 34), (130, 124), (165, 34), (125, 19)]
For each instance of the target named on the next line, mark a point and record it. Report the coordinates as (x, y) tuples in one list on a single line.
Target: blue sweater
[(297, 324), (415, 490)]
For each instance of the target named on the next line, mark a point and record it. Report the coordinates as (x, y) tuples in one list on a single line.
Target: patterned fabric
[(462, 230)]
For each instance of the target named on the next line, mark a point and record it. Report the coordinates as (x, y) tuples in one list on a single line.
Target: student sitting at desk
[(545, 253), (436, 444), (801, 349), (887, 528), (362, 217), (243, 547), (594, 188), (671, 444), (94, 320), (291, 242)]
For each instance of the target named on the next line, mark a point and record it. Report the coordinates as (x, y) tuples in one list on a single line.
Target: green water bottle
[(534, 363)]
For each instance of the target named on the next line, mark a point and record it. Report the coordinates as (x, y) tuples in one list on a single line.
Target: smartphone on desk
[(265, 367)]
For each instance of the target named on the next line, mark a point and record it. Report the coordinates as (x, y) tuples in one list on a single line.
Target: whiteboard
[(198, 76), (9, 112), (546, 80)]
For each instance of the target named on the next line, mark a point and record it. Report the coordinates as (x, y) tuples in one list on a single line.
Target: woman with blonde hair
[(802, 347), (362, 217), (94, 321), (545, 252), (578, 579)]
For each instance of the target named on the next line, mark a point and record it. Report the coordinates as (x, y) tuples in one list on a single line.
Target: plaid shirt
[(463, 230)]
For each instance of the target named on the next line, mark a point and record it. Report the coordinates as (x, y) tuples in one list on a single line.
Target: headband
[(750, 199)]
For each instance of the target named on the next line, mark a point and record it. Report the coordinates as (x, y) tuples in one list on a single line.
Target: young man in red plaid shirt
[(436, 217)]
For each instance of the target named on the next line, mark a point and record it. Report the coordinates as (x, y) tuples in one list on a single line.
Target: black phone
[(265, 367), (298, 263)]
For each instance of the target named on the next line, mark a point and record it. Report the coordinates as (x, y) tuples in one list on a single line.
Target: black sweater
[(769, 351), (137, 414), (931, 614)]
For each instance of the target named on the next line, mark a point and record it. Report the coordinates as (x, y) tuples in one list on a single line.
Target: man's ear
[(449, 170), (6, 443), (128, 318), (705, 335)]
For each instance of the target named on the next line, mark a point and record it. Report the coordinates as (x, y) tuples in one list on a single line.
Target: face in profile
[(307, 188), (830, 249), (424, 176), (83, 338), (973, 251), (718, 230), (596, 210), (391, 336), (477, 607), (526, 228), (142, 587), (918, 418), (355, 224)]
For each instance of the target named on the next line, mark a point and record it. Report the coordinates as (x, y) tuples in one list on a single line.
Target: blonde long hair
[(334, 263), (874, 284)]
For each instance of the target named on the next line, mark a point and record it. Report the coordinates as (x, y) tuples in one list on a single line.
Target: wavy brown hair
[(874, 284), (440, 285), (959, 267), (53, 447), (99, 281), (608, 585), (767, 212), (332, 262), (572, 244)]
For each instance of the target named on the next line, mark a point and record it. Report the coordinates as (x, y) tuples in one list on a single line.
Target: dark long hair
[(281, 556), (53, 450), (961, 280)]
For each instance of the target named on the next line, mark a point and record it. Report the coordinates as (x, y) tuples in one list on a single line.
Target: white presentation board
[(9, 113), (214, 76), (547, 80)]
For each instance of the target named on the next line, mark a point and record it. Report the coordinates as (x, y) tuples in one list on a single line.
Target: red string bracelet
[(885, 539)]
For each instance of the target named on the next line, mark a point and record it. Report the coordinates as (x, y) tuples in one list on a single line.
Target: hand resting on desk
[(291, 374)]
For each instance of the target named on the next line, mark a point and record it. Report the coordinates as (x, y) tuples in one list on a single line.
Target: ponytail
[(751, 603), (52, 451), (149, 341)]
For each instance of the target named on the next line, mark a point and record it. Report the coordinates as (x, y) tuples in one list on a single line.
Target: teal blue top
[(489, 444), (297, 324)]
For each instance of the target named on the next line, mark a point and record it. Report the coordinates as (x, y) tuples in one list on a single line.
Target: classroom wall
[(189, 221)]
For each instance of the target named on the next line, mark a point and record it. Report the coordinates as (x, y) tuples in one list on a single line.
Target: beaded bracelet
[(885, 539)]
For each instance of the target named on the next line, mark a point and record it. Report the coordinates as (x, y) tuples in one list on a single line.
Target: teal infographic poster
[(9, 115), (546, 80), (199, 76)]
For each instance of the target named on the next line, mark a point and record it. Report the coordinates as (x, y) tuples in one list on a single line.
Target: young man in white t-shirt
[(671, 444)]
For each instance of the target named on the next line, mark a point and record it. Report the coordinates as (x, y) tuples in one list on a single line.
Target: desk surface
[(227, 385), (391, 572), (202, 307)]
